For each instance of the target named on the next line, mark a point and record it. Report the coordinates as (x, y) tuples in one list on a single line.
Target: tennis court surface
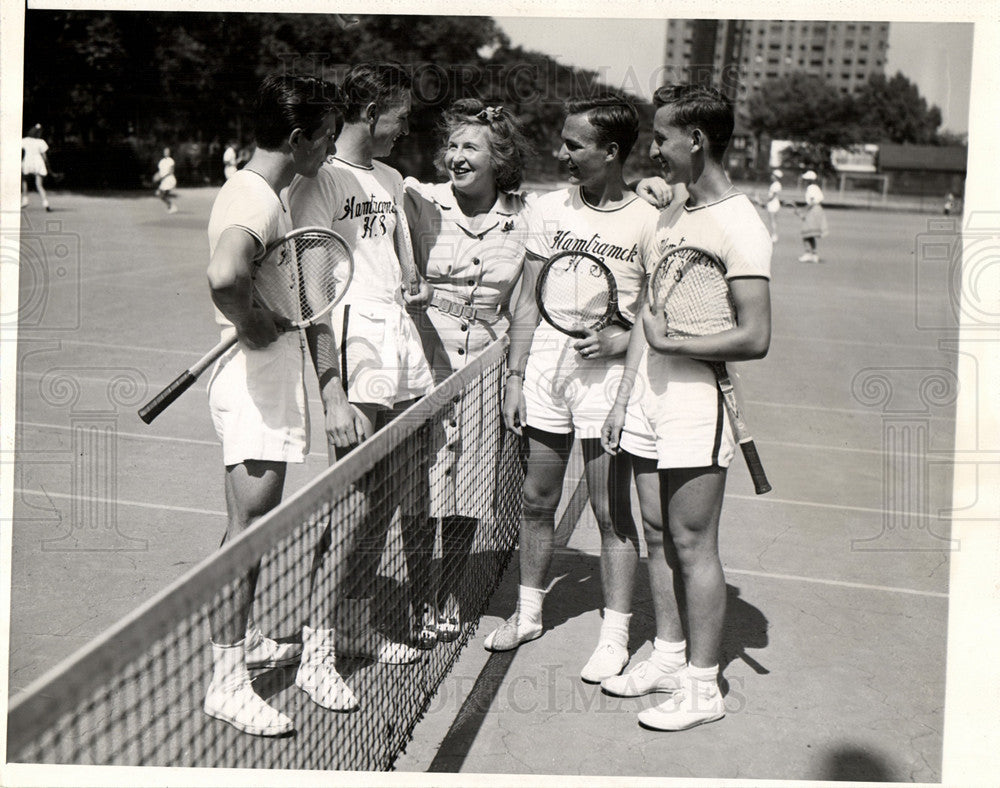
[(834, 655)]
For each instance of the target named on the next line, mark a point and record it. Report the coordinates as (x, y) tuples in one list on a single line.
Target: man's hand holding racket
[(261, 327), (606, 343)]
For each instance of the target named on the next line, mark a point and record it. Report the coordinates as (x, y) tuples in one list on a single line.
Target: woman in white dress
[(34, 165), (166, 181)]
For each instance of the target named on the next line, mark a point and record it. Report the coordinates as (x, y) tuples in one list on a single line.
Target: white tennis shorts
[(257, 399), (679, 400), (167, 183), (382, 355), (566, 393)]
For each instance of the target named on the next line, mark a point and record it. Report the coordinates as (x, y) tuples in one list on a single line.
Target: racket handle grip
[(166, 398), (183, 382), (760, 483)]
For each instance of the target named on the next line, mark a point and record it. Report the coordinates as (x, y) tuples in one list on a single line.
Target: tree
[(801, 107), (892, 110)]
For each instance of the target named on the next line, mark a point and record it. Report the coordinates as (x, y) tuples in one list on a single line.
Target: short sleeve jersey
[(621, 236), (359, 203), (729, 228), (247, 202)]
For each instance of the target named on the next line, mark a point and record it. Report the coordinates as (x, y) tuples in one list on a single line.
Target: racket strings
[(575, 291), (694, 295), (303, 276)]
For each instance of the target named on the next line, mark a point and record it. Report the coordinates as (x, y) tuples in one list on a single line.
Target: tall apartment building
[(742, 54)]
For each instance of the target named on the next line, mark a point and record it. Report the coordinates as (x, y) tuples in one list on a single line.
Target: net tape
[(134, 695)]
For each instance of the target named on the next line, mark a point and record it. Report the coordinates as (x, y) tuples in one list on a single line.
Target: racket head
[(689, 285), (304, 274), (576, 289)]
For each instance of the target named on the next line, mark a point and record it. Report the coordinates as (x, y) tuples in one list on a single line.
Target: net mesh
[(304, 274), (575, 290), (424, 513), (690, 286)]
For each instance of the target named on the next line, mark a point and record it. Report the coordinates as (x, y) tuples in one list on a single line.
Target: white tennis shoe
[(231, 697), (511, 634), (608, 660), (263, 652), (686, 708), (643, 679), (317, 675)]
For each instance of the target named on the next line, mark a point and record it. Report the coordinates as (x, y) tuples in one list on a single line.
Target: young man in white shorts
[(559, 387), (676, 395), (382, 358), (257, 391)]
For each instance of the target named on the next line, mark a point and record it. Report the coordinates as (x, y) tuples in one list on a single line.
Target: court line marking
[(837, 583), (812, 340), (132, 348), (144, 436), (762, 403), (787, 444), (119, 502), (837, 506), (848, 411)]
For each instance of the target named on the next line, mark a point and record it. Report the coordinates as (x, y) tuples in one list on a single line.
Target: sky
[(935, 56)]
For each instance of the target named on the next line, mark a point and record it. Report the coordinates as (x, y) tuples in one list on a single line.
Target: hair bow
[(490, 114)]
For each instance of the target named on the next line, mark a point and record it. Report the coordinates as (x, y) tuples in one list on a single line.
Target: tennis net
[(426, 509)]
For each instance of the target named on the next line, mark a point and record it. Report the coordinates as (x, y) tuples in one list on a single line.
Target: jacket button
[(472, 282), (465, 326), (476, 261), (461, 351)]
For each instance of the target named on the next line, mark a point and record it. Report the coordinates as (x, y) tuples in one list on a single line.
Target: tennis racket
[(307, 273), (575, 290), (689, 285), (407, 261)]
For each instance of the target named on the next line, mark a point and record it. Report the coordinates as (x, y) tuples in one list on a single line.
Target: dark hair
[(288, 102), (703, 107), (614, 117), (508, 147), (378, 83)]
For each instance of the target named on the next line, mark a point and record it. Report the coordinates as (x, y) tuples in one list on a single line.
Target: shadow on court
[(575, 593)]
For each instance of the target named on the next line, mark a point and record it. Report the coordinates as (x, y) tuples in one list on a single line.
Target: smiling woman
[(468, 235)]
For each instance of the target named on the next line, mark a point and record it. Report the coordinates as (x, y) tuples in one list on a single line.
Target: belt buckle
[(468, 312)]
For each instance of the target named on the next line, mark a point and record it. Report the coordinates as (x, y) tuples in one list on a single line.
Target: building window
[(847, 61), (846, 77), (849, 44), (866, 28), (862, 61), (818, 62), (772, 74)]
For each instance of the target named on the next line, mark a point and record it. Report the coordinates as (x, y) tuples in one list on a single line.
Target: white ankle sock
[(669, 656), (529, 604), (615, 627), (706, 679)]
